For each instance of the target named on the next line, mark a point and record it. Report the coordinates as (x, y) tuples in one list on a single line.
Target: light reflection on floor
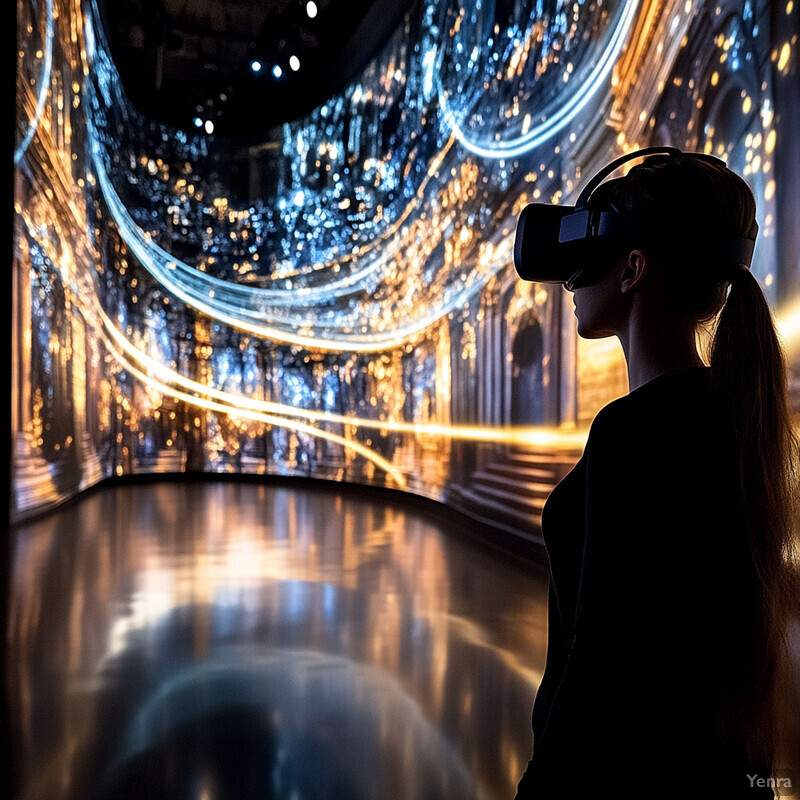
[(240, 640)]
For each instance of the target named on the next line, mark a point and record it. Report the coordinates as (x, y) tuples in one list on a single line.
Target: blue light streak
[(44, 84), (399, 277), (565, 111)]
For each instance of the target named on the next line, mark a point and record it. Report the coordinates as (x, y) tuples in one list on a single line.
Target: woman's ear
[(634, 271)]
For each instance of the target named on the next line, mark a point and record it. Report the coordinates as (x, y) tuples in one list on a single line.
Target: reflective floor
[(235, 640)]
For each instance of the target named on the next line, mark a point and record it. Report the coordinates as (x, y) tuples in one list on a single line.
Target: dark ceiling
[(185, 59)]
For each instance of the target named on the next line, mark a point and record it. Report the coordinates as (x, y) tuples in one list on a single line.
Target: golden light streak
[(158, 376), (525, 435), (233, 409), (269, 419)]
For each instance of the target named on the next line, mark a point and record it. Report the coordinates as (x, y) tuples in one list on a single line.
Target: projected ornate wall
[(339, 300)]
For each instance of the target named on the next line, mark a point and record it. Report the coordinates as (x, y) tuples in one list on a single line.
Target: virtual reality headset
[(564, 244)]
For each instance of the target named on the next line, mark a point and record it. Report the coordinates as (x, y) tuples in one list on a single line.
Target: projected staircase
[(510, 493)]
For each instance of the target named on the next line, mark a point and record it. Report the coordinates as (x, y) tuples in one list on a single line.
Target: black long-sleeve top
[(652, 606)]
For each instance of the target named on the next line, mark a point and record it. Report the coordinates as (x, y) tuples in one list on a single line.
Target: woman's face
[(601, 308)]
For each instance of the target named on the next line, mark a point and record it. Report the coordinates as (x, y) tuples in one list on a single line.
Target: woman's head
[(689, 214)]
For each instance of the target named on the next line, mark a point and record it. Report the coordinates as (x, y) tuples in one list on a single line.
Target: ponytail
[(749, 372)]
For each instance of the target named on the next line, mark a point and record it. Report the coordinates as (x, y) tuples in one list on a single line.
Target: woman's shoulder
[(677, 404), (677, 389), (668, 438)]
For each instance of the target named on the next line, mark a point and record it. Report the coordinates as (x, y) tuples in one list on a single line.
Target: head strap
[(583, 223)]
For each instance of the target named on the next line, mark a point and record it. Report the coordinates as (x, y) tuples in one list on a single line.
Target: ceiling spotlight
[(294, 63), (255, 65), (277, 71), (311, 9), (209, 126), (198, 123)]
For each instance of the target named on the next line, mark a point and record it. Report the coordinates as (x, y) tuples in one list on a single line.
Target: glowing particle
[(769, 145), (783, 59)]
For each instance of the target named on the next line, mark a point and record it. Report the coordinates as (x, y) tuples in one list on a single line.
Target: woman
[(672, 585)]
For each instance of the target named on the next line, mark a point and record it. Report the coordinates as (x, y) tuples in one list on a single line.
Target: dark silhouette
[(672, 544)]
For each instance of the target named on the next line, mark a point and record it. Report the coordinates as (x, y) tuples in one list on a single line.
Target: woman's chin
[(588, 332)]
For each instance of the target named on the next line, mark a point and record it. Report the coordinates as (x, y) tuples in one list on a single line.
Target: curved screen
[(338, 300)]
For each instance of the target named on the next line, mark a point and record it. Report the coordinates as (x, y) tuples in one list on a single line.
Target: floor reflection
[(236, 640)]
